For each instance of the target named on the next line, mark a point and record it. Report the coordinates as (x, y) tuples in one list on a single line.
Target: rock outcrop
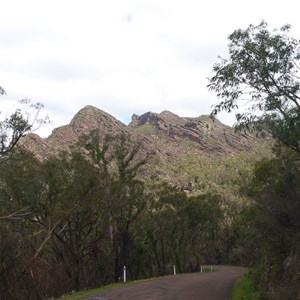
[(168, 141), (208, 136)]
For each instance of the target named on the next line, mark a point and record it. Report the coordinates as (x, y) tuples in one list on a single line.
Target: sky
[(123, 56)]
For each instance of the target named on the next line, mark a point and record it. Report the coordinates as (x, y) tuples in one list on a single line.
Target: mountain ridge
[(167, 140)]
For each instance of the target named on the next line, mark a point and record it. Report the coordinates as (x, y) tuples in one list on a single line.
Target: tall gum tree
[(118, 160), (262, 73)]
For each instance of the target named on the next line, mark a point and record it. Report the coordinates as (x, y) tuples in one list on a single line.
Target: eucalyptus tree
[(261, 79), (119, 160), (262, 71), (71, 204), (19, 191), (179, 230), (23, 120), (61, 235)]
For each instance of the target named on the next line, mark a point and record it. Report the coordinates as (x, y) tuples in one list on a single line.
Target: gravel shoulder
[(215, 285)]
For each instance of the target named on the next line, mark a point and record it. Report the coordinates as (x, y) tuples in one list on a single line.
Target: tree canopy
[(19, 123), (262, 72), (261, 76)]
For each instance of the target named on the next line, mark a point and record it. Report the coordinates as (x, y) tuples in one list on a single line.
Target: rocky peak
[(166, 139), (210, 136), (169, 116), (92, 117), (87, 119), (147, 118), (162, 121)]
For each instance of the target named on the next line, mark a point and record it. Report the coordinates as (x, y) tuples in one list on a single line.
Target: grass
[(246, 287), (86, 293)]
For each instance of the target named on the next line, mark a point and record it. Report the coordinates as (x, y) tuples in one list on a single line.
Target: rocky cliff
[(171, 143), (206, 135)]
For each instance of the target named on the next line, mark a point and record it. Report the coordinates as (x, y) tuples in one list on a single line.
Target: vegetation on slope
[(85, 217), (263, 69)]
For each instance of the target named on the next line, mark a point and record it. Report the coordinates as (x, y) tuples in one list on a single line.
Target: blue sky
[(122, 56)]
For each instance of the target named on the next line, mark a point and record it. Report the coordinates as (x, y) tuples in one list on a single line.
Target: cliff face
[(167, 140), (84, 121), (207, 136), (87, 119)]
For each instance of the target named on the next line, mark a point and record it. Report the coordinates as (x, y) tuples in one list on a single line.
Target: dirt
[(216, 285)]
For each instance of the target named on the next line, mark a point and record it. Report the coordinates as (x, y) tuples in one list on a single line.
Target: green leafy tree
[(23, 120), (262, 72), (180, 230), (19, 191), (118, 160), (61, 234), (73, 204), (261, 75), (269, 228)]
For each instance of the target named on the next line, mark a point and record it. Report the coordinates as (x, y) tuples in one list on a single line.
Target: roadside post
[(124, 273)]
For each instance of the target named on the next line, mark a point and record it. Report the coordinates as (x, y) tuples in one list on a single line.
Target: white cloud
[(123, 56)]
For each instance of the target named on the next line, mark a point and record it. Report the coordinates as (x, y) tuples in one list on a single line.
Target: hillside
[(168, 131), (173, 145)]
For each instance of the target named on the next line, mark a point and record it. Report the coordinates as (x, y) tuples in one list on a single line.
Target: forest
[(72, 221)]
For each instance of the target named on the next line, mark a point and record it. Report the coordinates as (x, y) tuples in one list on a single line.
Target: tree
[(71, 202), (19, 123), (180, 230), (269, 228), (262, 72), (118, 161), (19, 191), (61, 237)]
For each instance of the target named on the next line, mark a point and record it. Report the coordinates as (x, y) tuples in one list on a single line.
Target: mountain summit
[(204, 134), (167, 140)]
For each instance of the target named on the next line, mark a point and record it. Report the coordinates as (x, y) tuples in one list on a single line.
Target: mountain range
[(172, 144)]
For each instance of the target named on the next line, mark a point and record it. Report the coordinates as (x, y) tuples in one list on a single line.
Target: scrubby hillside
[(176, 148)]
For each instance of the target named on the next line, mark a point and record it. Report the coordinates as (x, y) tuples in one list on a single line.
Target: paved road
[(196, 286)]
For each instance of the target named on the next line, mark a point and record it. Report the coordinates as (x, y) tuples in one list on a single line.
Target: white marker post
[(174, 269), (201, 269), (124, 273)]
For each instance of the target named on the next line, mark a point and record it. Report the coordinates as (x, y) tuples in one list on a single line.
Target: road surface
[(215, 285)]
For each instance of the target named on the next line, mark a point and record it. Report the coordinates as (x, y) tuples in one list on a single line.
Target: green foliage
[(81, 218), (91, 292), (275, 188), (23, 120), (52, 210), (146, 130), (246, 288), (262, 70), (118, 162), (21, 191), (269, 227), (180, 230)]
